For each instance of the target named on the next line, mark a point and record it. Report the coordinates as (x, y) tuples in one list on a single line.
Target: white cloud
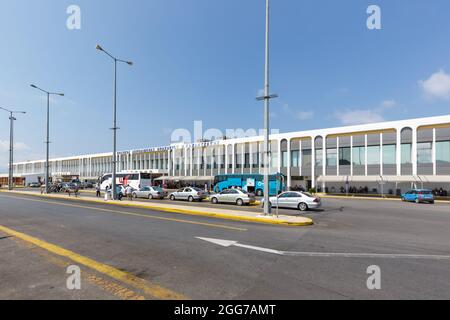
[(18, 146), (363, 116), (304, 115), (437, 86), (299, 115), (353, 117), (388, 104)]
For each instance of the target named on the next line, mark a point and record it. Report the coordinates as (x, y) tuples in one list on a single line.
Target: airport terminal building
[(380, 157)]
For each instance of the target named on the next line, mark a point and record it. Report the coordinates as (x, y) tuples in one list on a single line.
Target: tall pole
[(11, 146), (47, 142), (11, 152), (267, 207), (114, 196), (114, 128), (47, 173)]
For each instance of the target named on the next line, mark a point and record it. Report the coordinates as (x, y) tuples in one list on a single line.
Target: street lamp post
[(266, 98), (47, 142), (114, 128), (11, 146)]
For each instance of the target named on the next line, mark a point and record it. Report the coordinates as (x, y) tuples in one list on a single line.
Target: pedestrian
[(97, 190), (129, 192), (119, 193)]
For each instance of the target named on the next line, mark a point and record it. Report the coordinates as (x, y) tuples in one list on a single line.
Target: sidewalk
[(282, 220), (358, 197)]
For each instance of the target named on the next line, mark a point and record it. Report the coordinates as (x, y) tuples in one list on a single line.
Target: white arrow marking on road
[(229, 243)]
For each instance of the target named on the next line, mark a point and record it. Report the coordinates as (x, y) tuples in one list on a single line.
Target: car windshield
[(157, 189), (197, 189), (307, 194), (425, 192)]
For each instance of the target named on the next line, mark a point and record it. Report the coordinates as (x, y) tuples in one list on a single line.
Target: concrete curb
[(372, 198), (224, 216)]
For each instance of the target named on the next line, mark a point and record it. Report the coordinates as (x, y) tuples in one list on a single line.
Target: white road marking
[(230, 243)]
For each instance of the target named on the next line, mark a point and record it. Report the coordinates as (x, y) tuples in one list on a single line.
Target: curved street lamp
[(48, 132), (11, 145), (114, 128)]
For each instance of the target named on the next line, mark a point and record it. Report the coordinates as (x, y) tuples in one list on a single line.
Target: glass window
[(284, 159), (389, 154), (406, 153), (331, 157), (359, 156), (443, 152), (306, 158), (373, 155), (344, 156), (424, 150), (319, 158), (294, 158)]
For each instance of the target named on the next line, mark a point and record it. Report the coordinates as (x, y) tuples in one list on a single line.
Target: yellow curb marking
[(127, 278), (133, 214), (106, 285), (306, 222)]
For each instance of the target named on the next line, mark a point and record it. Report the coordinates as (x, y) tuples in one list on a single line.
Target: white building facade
[(384, 156)]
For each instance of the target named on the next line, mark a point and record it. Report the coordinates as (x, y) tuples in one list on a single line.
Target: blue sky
[(204, 59)]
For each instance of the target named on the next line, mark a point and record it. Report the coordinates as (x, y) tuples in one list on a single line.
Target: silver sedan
[(150, 193), (190, 194), (302, 201), (235, 196)]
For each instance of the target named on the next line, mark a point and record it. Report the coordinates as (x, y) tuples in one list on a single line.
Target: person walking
[(129, 192), (97, 191)]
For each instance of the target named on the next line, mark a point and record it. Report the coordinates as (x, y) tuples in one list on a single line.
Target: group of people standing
[(120, 192)]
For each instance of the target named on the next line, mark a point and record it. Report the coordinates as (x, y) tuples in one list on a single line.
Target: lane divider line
[(148, 288), (305, 221), (134, 214)]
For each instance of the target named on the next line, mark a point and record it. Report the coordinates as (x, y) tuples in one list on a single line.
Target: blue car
[(418, 196)]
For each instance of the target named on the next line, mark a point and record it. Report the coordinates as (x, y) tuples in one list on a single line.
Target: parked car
[(191, 194), (302, 201), (150, 193), (34, 185), (235, 196), (418, 196)]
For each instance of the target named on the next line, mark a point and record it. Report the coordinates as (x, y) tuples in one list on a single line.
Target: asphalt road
[(163, 249)]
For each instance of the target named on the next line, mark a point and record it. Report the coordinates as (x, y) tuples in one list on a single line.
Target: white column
[(289, 165), (381, 154), (399, 152), (300, 158), (279, 155), (365, 155), (313, 162), (351, 156), (233, 158), (414, 151), (250, 151), (337, 156), (433, 152)]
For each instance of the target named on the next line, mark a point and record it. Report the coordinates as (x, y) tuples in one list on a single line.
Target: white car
[(302, 201), (235, 196), (191, 194), (150, 193)]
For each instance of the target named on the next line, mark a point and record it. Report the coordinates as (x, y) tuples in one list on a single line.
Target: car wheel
[(403, 199), (172, 197), (150, 197), (240, 202), (135, 195), (215, 200), (302, 206), (191, 199), (259, 193), (417, 200), (431, 202)]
